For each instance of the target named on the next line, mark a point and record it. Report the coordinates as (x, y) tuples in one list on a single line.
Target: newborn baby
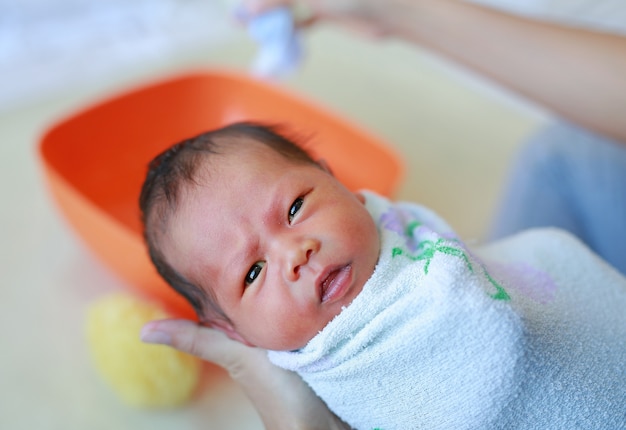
[(389, 317)]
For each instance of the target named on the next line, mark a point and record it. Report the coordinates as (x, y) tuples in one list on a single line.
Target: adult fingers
[(347, 13), (305, 12), (192, 338), (255, 7)]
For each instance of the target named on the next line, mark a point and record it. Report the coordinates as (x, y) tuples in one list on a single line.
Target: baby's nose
[(297, 256)]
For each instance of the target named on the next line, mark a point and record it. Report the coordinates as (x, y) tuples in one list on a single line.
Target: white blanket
[(531, 335)]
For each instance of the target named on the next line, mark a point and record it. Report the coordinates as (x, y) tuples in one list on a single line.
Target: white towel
[(438, 340), (573, 306)]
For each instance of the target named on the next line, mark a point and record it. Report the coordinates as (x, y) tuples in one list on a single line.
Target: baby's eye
[(254, 272), (295, 207)]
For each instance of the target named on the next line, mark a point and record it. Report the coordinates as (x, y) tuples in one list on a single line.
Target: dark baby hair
[(178, 166)]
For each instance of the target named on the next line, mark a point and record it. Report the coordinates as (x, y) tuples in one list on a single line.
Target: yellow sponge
[(148, 376)]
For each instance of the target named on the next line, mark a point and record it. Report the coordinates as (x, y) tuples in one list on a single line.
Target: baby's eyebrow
[(248, 242), (275, 207), (236, 267)]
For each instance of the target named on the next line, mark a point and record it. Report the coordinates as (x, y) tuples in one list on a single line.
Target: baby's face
[(284, 246)]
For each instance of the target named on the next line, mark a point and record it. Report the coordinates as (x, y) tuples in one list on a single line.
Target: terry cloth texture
[(442, 339)]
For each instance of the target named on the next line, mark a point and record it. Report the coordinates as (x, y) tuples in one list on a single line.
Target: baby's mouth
[(335, 283)]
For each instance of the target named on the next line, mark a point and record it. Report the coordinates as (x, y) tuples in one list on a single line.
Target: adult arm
[(282, 399), (576, 73)]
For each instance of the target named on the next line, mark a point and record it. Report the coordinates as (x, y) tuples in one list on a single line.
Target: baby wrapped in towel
[(392, 320), (526, 334)]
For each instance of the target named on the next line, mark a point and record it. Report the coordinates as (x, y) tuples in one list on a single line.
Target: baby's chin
[(331, 313), (342, 306)]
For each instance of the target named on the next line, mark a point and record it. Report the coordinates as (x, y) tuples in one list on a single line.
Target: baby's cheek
[(292, 332)]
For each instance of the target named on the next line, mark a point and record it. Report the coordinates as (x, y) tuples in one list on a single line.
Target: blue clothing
[(570, 178)]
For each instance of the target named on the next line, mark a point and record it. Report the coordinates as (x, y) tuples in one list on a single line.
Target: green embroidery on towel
[(501, 293), (409, 230), (427, 249)]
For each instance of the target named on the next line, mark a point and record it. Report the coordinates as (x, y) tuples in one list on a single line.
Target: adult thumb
[(192, 338)]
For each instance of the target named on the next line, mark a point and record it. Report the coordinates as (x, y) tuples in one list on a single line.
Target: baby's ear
[(324, 165), (228, 329)]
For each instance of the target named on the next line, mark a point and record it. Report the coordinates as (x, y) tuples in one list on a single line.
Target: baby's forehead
[(238, 171), (232, 157)]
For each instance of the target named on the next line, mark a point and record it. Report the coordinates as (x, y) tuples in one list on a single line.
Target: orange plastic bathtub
[(95, 160)]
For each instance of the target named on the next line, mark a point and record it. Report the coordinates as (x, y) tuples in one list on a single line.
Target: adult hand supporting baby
[(281, 398)]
